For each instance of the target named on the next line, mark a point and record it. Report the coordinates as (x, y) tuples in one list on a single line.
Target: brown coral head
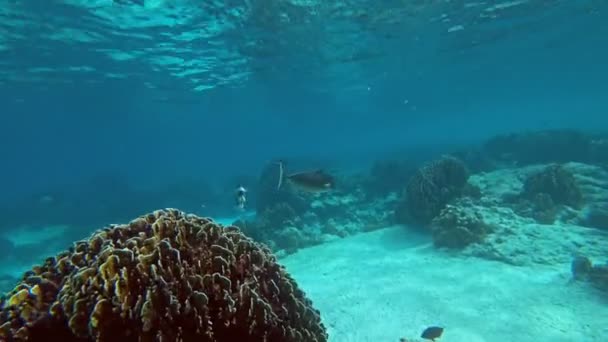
[(433, 186), (165, 276)]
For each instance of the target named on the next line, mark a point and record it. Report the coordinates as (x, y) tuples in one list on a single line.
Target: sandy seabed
[(388, 284)]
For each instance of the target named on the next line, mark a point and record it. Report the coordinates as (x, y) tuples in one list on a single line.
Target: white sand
[(388, 284)]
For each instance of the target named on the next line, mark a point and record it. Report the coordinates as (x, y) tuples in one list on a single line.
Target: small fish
[(311, 181), (240, 197), (431, 333)]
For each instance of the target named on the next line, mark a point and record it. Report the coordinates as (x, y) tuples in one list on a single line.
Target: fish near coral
[(310, 181)]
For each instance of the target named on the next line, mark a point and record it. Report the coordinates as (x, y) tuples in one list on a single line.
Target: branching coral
[(166, 276), (432, 187)]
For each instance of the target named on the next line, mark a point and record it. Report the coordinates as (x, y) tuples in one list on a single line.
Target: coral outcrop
[(557, 182), (431, 188), (536, 231), (165, 276), (458, 226), (330, 215)]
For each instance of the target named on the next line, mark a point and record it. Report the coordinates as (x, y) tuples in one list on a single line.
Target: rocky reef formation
[(572, 193), (545, 192), (165, 276), (438, 198), (280, 227), (330, 216), (287, 219), (528, 226), (431, 188)]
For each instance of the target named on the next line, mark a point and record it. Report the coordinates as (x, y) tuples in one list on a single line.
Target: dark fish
[(312, 181), (431, 333)]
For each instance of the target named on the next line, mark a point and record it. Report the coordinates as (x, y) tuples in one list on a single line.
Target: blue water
[(112, 109)]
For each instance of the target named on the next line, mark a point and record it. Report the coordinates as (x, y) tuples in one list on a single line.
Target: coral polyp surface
[(165, 276)]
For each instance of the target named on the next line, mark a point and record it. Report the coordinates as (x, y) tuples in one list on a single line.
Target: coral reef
[(275, 218), (520, 237), (458, 226), (165, 276), (350, 214), (344, 211), (548, 193), (431, 188), (333, 215), (556, 182)]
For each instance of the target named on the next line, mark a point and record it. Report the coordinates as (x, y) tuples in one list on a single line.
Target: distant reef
[(538, 147), (536, 199), (528, 198)]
